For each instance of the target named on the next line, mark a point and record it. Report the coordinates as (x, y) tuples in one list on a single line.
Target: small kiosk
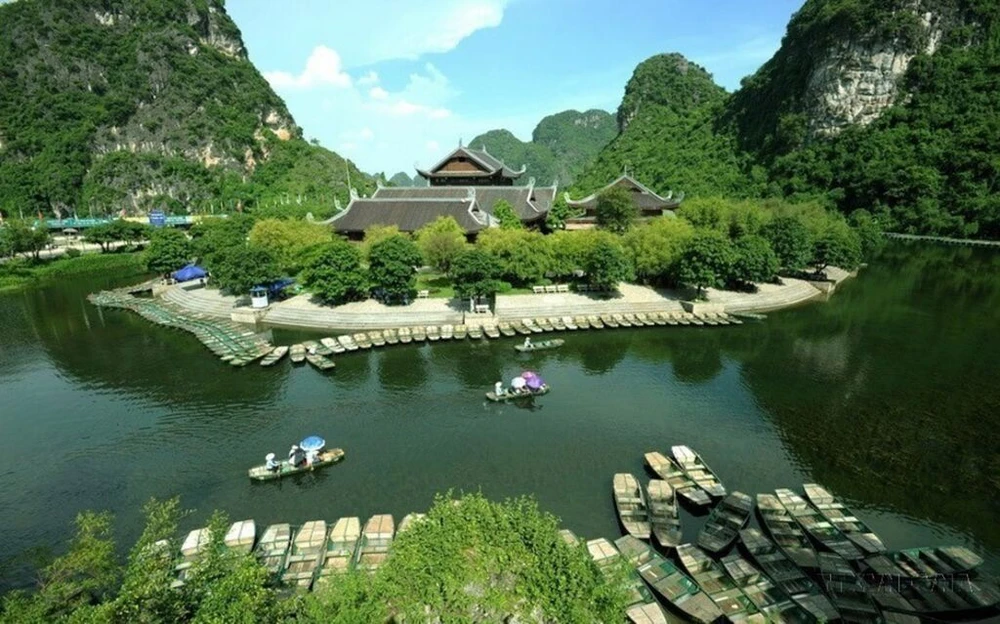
[(258, 297)]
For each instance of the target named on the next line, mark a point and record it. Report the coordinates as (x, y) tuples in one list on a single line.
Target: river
[(888, 394)]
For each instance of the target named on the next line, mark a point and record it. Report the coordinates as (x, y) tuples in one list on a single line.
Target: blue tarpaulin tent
[(188, 273)]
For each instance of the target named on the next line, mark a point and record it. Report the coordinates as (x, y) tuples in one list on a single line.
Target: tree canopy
[(168, 250), (285, 239), (607, 264), (615, 210), (706, 261), (335, 273), (240, 268), (504, 213), (476, 274), (392, 264), (440, 241)]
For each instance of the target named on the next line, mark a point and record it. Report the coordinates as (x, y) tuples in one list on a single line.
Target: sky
[(392, 84)]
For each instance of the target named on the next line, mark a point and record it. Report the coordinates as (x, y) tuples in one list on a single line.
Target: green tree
[(754, 262), (212, 235), (169, 250), (557, 215), (476, 274), (440, 241), (607, 265), (285, 239), (615, 210), (391, 267), (103, 234), (504, 213), (869, 231), (655, 248), (839, 246), (376, 234), (790, 240), (238, 269), (707, 260), (524, 256), (130, 232), (335, 273)]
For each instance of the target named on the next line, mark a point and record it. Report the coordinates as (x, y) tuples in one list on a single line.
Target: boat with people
[(308, 455), (542, 345), (663, 514), (841, 517), (788, 576), (724, 523), (696, 468), (683, 486), (631, 505), (297, 353), (817, 526), (527, 384), (713, 580), (306, 554), (274, 356), (786, 532)]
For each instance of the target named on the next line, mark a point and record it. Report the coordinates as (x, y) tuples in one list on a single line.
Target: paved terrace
[(302, 312)]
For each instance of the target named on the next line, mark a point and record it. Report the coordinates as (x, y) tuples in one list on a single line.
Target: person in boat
[(527, 342), (498, 389), (295, 456), (270, 463), (311, 350)]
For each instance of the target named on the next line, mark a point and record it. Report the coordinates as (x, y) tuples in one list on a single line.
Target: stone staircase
[(328, 320), (201, 301), (527, 309)]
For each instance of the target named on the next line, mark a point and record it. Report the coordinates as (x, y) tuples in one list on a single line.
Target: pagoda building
[(648, 203), (466, 185)]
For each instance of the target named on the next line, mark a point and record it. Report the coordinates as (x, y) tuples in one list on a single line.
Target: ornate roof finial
[(460, 141)]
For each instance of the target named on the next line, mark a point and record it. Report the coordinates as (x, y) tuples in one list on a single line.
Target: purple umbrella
[(529, 375), (534, 382)]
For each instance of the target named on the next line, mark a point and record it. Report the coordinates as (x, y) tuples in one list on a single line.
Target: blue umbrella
[(312, 443)]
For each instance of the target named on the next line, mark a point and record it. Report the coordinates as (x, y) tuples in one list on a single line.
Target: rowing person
[(498, 389), (296, 456), (270, 463), (527, 342)]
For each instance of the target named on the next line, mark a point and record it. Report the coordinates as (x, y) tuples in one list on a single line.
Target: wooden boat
[(192, 547), (595, 322), (663, 515), (461, 331), (544, 324), (669, 581), (306, 554), (447, 332), (706, 319), (541, 345), (521, 328), (531, 325), (837, 514), (409, 520), (261, 473), (631, 320), (419, 334), (347, 342), (582, 322), (786, 532), (517, 396), (341, 547), (322, 349), (241, 536), (491, 331), (476, 332), (693, 465), (361, 339), (643, 319), (649, 613), (274, 356), (929, 562), (557, 323), (953, 598), (684, 318), (333, 345), (506, 329), (848, 593), (816, 526), (692, 319), (272, 549), (606, 556), (320, 362), (788, 576), (569, 537), (773, 603), (375, 542), (405, 336), (376, 338), (390, 336), (311, 346), (658, 318), (297, 353), (631, 505), (609, 320), (714, 581), (569, 323), (724, 523), (666, 469), (621, 320)]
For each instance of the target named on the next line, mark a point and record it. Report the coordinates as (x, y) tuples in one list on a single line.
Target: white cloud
[(368, 79), (323, 68), (367, 134), (378, 93), (433, 146)]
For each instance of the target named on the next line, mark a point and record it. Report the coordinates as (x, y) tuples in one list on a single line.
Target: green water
[(887, 394)]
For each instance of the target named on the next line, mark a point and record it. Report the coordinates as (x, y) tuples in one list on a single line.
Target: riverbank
[(21, 273), (303, 312)]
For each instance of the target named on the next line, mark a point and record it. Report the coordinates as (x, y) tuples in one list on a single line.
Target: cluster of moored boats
[(814, 561)]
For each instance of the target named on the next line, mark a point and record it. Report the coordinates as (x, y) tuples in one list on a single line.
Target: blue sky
[(391, 83)]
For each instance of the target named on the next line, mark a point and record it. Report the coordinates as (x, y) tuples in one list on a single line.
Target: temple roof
[(489, 165), (409, 213), (643, 196), (529, 202)]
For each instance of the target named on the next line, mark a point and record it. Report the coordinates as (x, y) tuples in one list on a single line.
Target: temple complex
[(648, 204), (466, 185)]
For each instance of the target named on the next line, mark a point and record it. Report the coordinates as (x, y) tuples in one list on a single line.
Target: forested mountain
[(889, 106), (107, 104), (560, 147)]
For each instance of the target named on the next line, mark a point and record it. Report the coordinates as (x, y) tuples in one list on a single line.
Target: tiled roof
[(491, 165), (519, 197), (643, 197), (408, 214)]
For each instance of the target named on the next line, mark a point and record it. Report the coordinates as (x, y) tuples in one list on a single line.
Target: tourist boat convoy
[(794, 570)]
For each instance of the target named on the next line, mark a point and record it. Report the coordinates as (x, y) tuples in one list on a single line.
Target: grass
[(438, 284), (21, 273)]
